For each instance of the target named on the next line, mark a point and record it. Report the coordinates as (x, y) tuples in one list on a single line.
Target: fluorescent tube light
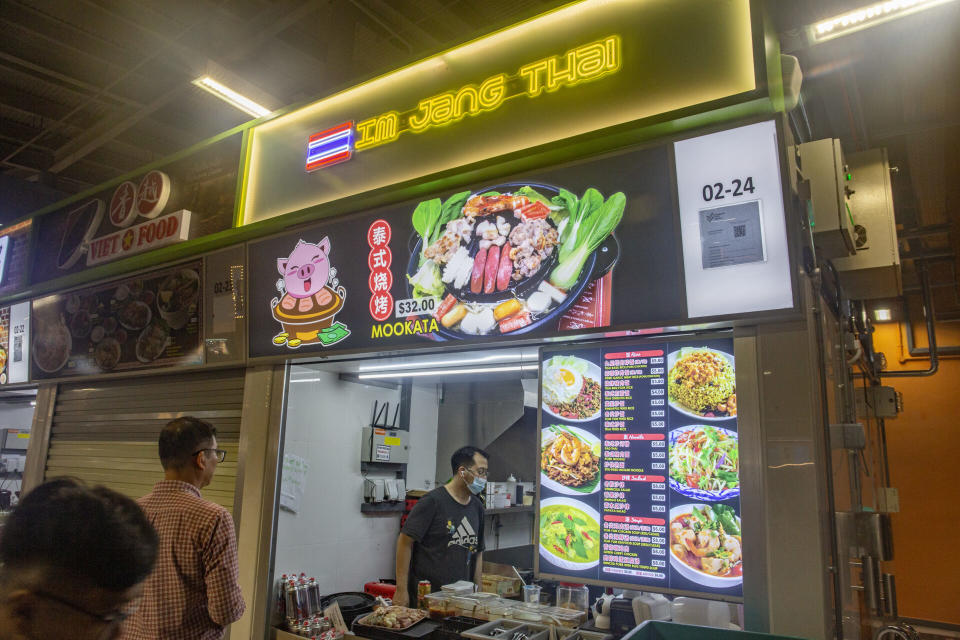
[(866, 17), (446, 372), (882, 315), (503, 357), (230, 96)]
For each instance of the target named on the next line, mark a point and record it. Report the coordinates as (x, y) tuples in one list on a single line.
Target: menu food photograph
[(151, 320), (640, 468)]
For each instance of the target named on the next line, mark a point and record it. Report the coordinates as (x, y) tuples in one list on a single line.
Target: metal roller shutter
[(106, 432)]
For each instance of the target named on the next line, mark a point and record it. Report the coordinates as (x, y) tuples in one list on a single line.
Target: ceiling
[(897, 86), (91, 89)]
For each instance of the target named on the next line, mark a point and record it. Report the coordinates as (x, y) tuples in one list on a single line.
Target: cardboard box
[(501, 579)]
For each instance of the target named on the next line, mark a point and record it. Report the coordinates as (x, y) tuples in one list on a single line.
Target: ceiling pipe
[(931, 332)]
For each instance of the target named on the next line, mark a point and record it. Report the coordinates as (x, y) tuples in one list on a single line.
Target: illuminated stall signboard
[(582, 64), (582, 68)]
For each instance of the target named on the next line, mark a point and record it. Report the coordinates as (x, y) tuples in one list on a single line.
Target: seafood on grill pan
[(498, 261)]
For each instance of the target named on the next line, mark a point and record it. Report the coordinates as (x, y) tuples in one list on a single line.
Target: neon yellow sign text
[(583, 64)]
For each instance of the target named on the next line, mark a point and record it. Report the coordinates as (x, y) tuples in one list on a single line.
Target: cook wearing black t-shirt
[(442, 540)]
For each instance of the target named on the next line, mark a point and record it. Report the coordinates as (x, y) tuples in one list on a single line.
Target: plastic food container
[(462, 588), (559, 616), (470, 607), (440, 605), (499, 608), (573, 596), (475, 605)]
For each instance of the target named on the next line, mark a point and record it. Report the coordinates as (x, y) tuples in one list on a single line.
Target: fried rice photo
[(703, 382)]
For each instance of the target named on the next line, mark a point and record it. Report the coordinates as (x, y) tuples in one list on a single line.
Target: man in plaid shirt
[(193, 592)]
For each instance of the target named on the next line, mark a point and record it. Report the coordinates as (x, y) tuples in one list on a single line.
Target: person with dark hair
[(72, 562), (193, 594), (442, 539)]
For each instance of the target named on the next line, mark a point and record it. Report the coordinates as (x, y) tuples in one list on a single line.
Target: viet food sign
[(562, 250), (187, 198), (639, 480), (148, 321), (581, 68)]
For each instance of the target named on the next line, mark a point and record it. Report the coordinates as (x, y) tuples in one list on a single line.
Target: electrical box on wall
[(385, 445), (879, 402), (821, 162), (874, 272)]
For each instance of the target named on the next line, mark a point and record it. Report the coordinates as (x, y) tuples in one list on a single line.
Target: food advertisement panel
[(639, 467), (585, 246), (190, 197), (14, 257), (538, 254), (14, 343), (152, 320)]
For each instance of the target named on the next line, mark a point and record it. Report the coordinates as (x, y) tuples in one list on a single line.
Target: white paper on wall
[(292, 481)]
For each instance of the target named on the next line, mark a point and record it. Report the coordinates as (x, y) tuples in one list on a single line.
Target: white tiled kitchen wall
[(329, 538)]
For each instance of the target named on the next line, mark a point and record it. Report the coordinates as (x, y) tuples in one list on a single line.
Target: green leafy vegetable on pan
[(451, 210), (533, 195), (568, 204), (425, 220), (594, 221), (427, 281), (430, 218)]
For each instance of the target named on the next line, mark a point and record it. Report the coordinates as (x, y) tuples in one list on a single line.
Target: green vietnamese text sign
[(584, 67)]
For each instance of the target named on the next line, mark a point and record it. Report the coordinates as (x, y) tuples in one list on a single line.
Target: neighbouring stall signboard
[(639, 467), (570, 249), (151, 320), (187, 198), (14, 343), (579, 69)]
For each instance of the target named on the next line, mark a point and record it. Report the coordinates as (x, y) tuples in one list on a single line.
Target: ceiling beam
[(13, 100), (446, 16), (398, 18), (108, 63), (108, 129), (63, 78)]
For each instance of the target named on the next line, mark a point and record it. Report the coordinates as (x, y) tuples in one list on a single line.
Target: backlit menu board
[(639, 467)]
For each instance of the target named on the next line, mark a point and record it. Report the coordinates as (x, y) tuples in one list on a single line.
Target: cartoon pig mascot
[(306, 271)]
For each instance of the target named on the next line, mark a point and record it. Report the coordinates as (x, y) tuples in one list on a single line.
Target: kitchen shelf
[(524, 508), (382, 507)]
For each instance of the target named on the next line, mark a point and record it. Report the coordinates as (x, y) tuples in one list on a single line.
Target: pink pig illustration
[(306, 270)]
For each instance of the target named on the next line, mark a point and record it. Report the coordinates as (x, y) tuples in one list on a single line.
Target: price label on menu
[(642, 487), (416, 307)]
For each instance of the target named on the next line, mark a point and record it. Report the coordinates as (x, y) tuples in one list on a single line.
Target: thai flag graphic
[(329, 147)]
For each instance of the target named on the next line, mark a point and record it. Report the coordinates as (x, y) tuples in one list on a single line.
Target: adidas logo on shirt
[(464, 535)]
